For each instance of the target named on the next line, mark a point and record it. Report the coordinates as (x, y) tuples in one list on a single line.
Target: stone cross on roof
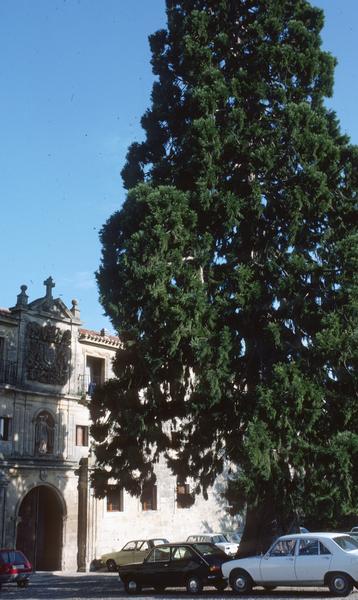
[(49, 283)]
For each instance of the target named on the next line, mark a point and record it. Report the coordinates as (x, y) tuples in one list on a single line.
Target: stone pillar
[(4, 482), (82, 514)]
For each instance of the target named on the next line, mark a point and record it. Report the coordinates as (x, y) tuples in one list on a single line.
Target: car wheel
[(240, 581), (132, 586), (194, 585), (340, 584), (111, 565), (220, 586)]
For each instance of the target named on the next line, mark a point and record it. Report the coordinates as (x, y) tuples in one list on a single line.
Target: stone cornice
[(98, 338), (7, 316)]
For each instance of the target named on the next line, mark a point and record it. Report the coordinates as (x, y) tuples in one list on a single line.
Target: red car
[(14, 566)]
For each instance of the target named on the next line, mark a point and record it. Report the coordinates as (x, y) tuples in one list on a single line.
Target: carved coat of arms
[(47, 353)]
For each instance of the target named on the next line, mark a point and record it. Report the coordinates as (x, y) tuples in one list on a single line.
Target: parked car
[(14, 567), (307, 559), (354, 530), (176, 565), (233, 536), (354, 534), (218, 539), (133, 551)]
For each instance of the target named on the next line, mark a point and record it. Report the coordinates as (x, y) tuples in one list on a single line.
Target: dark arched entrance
[(39, 530)]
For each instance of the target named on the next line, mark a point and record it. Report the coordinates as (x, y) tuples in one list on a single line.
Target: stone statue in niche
[(47, 353), (43, 434)]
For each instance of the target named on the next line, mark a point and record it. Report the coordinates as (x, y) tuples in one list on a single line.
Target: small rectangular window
[(184, 498), (115, 500), (5, 429), (81, 435), (149, 497)]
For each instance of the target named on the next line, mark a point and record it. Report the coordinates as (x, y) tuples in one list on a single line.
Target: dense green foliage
[(230, 273)]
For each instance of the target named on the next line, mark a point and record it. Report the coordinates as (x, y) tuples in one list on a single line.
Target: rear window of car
[(346, 542), (13, 557), (158, 542)]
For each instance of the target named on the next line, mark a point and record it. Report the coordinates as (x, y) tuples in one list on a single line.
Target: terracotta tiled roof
[(99, 337)]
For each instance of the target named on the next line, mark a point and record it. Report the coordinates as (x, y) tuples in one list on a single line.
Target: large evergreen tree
[(230, 273)]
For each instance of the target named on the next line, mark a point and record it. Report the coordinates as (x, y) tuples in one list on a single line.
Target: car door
[(154, 570), (184, 561), (127, 554), (278, 565), (312, 561)]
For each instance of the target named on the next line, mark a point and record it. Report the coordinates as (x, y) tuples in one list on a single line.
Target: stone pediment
[(47, 306), (54, 306)]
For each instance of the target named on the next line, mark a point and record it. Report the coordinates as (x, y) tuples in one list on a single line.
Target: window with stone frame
[(95, 368), (5, 429), (81, 435), (115, 500), (185, 498), (149, 497)]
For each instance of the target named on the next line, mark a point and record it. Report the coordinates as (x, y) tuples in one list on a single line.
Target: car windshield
[(131, 545), (346, 542), (207, 548)]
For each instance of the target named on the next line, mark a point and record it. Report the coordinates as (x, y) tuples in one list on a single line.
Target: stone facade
[(49, 366)]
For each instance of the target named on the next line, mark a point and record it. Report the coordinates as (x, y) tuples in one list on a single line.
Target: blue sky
[(75, 80)]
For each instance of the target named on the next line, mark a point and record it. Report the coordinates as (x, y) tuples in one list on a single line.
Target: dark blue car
[(192, 566)]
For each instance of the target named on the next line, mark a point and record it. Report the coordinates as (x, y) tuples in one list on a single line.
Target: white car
[(307, 559), (218, 539)]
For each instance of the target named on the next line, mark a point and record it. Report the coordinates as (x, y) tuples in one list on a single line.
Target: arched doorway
[(39, 530)]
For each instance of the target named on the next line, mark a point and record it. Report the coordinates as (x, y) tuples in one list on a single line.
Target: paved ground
[(106, 586)]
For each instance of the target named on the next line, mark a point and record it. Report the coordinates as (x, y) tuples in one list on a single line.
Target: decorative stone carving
[(47, 353), (44, 434), (43, 474), (22, 298)]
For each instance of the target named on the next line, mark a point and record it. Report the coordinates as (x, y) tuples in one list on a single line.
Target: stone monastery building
[(49, 366)]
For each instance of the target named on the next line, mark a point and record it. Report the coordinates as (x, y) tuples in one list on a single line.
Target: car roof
[(202, 534), (313, 534), (145, 540), (186, 544)]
